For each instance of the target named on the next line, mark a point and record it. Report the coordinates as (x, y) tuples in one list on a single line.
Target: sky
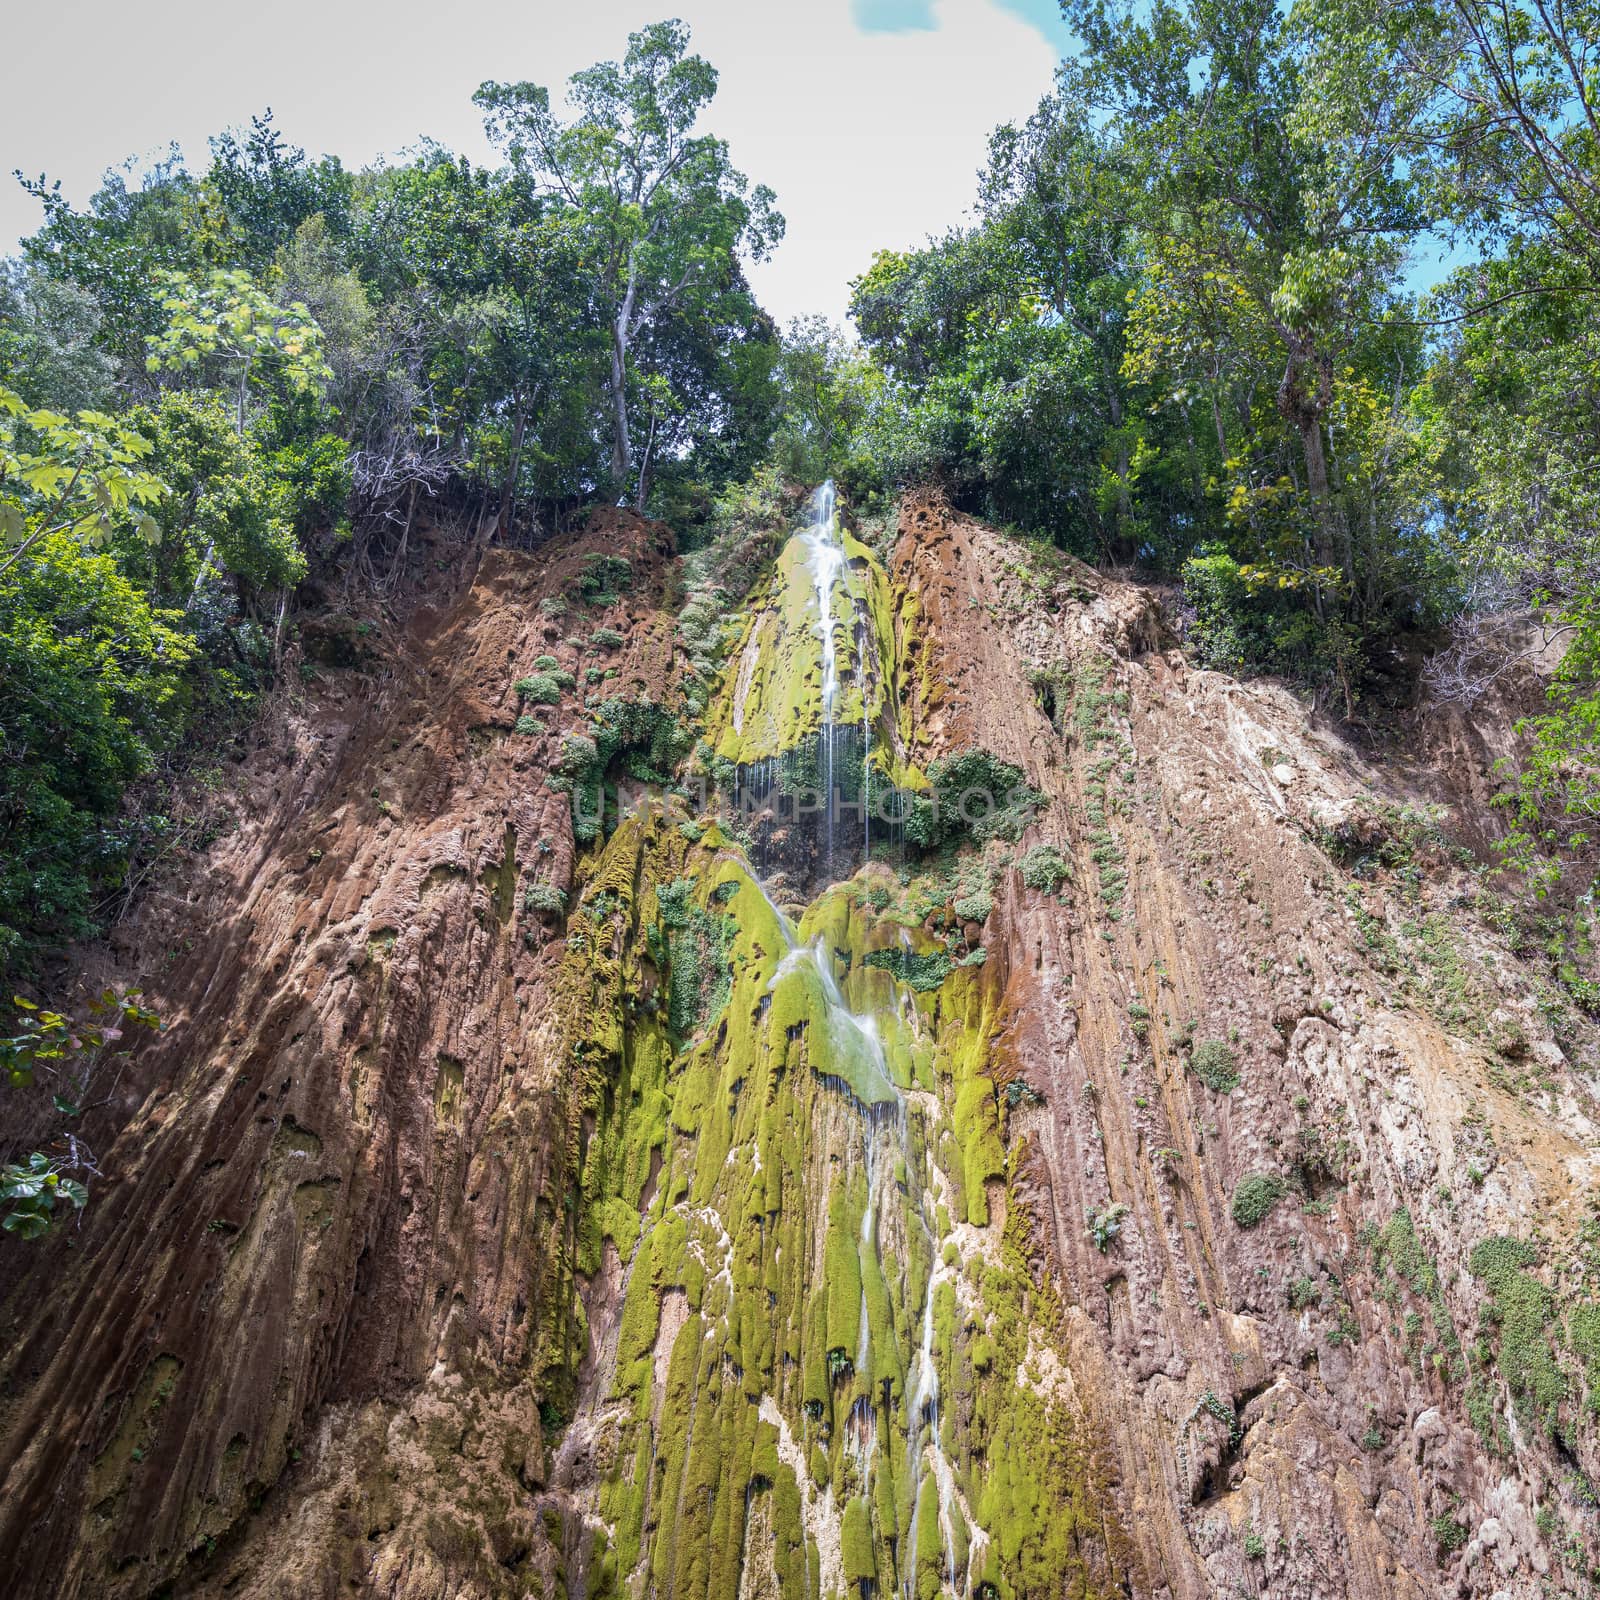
[(869, 118)]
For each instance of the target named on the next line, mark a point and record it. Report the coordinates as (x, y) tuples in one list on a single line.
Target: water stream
[(826, 564), (851, 1060)]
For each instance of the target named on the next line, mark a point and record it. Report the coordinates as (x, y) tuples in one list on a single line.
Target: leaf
[(25, 1224)]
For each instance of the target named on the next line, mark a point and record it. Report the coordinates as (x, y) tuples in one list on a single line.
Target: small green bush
[(1043, 867), (603, 578), (545, 663), (1255, 1197), (673, 898), (606, 638), (553, 605), (544, 898), (1105, 1223), (1215, 1065), (923, 973), (973, 795), (530, 725), (975, 907), (540, 690)]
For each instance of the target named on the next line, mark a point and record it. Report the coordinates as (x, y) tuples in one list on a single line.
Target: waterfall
[(825, 562), (848, 1055)]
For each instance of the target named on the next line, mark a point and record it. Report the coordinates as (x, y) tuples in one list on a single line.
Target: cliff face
[(1169, 1184)]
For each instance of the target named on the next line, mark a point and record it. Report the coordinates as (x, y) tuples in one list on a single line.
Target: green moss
[(860, 1566), (842, 1276)]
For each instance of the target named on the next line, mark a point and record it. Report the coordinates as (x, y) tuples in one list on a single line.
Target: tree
[(49, 353), (661, 209), (72, 477), (268, 188), (225, 505), (1236, 178), (503, 269), (119, 248), (1045, 191), (228, 326)]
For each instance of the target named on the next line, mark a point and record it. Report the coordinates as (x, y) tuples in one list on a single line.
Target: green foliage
[(673, 900), (544, 898), (923, 973), (1255, 1196), (973, 907), (664, 218), (1215, 1065), (66, 1052), (228, 510), (1264, 619), (31, 1192), (1105, 1223), (77, 477), (1524, 1313), (539, 689), (602, 578), (91, 684), (226, 329), (974, 795), (1044, 867)]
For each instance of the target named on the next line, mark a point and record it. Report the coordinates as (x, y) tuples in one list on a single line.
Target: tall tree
[(662, 209), (1236, 185)]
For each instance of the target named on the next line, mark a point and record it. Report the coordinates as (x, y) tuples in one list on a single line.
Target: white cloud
[(871, 140)]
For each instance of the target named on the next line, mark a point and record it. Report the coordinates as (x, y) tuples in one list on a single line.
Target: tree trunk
[(1305, 411), (1124, 500), (646, 462), (508, 492), (621, 336)]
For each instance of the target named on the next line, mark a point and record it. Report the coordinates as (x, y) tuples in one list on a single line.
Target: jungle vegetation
[(1184, 336)]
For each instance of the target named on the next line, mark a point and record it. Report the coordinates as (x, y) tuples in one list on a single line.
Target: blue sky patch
[(917, 16), (895, 16), (1046, 16)]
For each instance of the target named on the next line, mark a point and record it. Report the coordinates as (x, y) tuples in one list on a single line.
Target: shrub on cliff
[(1044, 868), (972, 795), (1255, 1197), (1215, 1065)]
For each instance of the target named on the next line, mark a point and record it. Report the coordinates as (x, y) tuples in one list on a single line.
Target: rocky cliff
[(578, 1164)]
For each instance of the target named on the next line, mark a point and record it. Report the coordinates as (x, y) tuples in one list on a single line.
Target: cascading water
[(825, 561), (851, 1056)]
